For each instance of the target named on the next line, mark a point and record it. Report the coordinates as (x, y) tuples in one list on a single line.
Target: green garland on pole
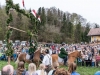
[(11, 6), (9, 52)]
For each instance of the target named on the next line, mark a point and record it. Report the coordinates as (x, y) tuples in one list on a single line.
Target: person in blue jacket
[(97, 73)]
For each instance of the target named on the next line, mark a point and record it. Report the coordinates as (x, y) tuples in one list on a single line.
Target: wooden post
[(8, 59)]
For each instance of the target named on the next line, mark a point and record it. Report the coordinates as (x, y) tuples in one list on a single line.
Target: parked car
[(23, 43), (17, 42)]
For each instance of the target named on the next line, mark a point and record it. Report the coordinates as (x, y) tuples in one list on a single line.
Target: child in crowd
[(93, 61)]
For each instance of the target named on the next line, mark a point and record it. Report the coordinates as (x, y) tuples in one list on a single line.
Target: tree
[(96, 25), (39, 11), (75, 19), (64, 26), (87, 29), (43, 17), (19, 26), (77, 33), (70, 30), (49, 17), (53, 21)]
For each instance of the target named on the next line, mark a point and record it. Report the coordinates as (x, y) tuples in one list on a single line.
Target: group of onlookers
[(32, 70), (46, 68), (21, 70), (90, 57)]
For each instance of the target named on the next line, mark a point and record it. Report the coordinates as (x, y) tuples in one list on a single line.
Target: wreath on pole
[(34, 20)]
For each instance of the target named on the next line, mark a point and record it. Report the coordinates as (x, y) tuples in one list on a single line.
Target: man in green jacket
[(32, 49), (63, 54)]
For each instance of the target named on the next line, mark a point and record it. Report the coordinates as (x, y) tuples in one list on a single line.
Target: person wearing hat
[(63, 54), (32, 49), (63, 45), (47, 60)]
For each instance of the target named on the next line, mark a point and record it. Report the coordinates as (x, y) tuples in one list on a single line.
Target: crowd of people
[(90, 57), (32, 70)]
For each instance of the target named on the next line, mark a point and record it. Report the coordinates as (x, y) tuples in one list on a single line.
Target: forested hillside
[(56, 26)]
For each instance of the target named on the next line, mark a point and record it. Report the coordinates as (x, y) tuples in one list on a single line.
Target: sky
[(89, 9)]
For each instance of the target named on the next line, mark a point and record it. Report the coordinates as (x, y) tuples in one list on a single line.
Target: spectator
[(93, 61), (20, 69), (7, 70), (41, 70), (31, 69), (61, 71), (47, 61), (83, 58), (23, 50), (72, 69), (56, 66), (97, 73), (89, 58), (79, 61), (50, 50), (97, 57), (86, 59), (15, 56)]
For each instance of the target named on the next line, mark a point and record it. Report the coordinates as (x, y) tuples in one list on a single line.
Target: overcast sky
[(89, 9)]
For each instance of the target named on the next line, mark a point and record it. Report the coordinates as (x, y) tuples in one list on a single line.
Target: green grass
[(86, 70), (81, 70), (3, 63)]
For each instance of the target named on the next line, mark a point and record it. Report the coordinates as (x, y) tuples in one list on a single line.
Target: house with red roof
[(95, 34)]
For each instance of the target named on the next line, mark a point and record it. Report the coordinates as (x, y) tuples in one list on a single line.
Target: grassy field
[(81, 70)]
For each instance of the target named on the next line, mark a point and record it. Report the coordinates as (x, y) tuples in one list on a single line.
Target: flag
[(23, 3), (34, 13), (39, 18)]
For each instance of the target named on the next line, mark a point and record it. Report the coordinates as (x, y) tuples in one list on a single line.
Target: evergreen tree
[(78, 33), (70, 30), (49, 17), (39, 11), (52, 21), (43, 17), (64, 24), (96, 25), (82, 37), (87, 29)]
